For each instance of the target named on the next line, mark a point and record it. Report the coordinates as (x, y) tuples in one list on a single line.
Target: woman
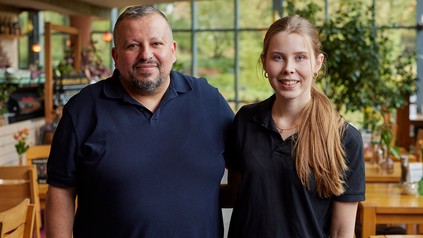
[(301, 164)]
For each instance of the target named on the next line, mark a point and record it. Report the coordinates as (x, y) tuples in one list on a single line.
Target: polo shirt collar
[(263, 116), (114, 89)]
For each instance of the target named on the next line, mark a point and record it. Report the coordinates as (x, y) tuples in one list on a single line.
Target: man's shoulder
[(189, 78), (188, 82)]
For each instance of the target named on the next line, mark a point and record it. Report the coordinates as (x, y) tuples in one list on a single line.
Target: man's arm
[(60, 211)]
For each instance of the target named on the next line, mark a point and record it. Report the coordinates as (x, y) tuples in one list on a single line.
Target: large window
[(217, 42)]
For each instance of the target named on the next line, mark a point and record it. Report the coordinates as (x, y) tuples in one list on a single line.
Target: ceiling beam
[(63, 6)]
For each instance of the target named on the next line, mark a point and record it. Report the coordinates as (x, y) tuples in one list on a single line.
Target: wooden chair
[(418, 145), (37, 152), (37, 155), (19, 182), (18, 221)]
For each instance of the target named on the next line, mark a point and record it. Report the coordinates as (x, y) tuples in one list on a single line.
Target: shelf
[(9, 36)]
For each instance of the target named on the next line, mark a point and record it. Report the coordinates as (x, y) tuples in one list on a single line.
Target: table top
[(385, 196), (374, 174), (397, 236), (411, 157)]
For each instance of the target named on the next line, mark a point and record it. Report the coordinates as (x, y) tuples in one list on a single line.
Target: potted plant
[(5, 91), (362, 69)]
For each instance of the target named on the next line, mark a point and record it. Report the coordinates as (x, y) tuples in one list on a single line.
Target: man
[(142, 150)]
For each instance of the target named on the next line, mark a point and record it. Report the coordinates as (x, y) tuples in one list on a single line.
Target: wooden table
[(411, 157), (386, 205), (397, 236), (374, 174)]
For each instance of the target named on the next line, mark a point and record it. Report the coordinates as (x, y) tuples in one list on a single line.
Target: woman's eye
[(301, 57), (277, 57)]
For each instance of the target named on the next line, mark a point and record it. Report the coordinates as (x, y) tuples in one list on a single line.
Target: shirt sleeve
[(355, 181), (61, 164)]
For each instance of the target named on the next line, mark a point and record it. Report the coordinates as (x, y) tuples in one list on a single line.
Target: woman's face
[(290, 65)]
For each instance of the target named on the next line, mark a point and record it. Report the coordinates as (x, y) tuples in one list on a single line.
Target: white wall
[(8, 155)]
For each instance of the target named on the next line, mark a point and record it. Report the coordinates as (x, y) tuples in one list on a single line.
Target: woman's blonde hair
[(318, 149)]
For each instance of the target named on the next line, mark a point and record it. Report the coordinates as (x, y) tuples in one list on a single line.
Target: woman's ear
[(319, 62), (263, 60)]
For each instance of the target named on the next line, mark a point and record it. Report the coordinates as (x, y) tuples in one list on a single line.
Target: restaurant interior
[(50, 50)]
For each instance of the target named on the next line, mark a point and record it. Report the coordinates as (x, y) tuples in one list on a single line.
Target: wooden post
[(48, 84), (403, 124)]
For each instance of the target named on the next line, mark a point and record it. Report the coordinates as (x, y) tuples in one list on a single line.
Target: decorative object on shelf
[(4, 59), (5, 91), (22, 146), (10, 26), (91, 65)]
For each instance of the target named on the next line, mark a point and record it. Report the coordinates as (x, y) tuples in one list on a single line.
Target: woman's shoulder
[(352, 135), (261, 107)]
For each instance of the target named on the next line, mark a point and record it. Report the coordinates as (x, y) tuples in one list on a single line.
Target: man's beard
[(148, 86)]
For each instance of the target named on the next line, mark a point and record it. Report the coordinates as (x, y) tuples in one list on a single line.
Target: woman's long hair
[(318, 149)]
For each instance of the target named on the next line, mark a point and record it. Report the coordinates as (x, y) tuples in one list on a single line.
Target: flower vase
[(22, 159), (386, 162), (374, 149)]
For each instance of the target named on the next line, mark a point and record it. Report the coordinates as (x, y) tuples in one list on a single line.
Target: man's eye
[(157, 43), (132, 46)]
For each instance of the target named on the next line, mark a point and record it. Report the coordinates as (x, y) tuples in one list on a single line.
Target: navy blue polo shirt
[(142, 174)]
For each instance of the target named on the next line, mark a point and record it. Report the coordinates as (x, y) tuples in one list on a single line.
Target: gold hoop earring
[(266, 75), (315, 75)]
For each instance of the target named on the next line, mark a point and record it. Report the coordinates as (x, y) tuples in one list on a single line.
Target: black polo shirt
[(272, 202)]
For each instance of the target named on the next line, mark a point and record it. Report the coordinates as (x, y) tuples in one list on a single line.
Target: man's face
[(144, 53)]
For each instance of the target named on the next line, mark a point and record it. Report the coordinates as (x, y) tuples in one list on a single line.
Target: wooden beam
[(64, 7), (48, 64)]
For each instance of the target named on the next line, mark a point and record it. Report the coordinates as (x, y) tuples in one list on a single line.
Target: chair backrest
[(18, 221), (418, 145), (37, 155), (18, 183), (37, 152)]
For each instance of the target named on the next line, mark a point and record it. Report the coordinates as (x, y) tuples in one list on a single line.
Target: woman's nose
[(289, 67)]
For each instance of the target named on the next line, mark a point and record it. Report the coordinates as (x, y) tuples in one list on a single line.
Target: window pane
[(100, 25), (215, 14), (178, 14), (252, 84), (216, 61), (23, 53), (55, 18), (396, 13), (255, 13), (60, 44), (183, 52), (103, 52)]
